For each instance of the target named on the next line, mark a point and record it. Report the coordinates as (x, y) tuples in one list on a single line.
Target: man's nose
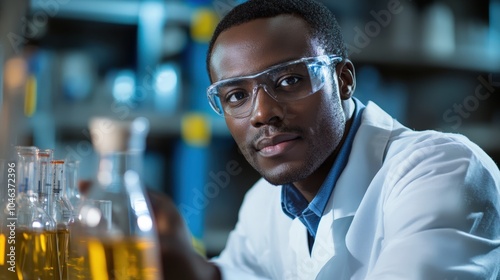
[(266, 110)]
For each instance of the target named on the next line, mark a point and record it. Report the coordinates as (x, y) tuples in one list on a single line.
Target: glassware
[(127, 247), (44, 180), (71, 189), (62, 212), (35, 235), (83, 261)]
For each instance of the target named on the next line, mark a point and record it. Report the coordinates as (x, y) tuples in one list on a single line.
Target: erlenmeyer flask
[(127, 248)]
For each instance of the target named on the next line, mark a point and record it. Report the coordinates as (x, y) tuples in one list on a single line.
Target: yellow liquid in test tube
[(36, 255), (5, 273), (3, 245), (63, 247)]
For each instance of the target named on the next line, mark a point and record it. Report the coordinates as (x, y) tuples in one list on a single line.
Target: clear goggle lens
[(284, 82)]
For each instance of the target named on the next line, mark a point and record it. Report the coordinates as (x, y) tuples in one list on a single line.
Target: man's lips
[(277, 144)]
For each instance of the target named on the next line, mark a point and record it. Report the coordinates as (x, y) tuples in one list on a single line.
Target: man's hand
[(179, 259)]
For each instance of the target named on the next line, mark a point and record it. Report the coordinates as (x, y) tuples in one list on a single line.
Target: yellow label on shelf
[(30, 97), (203, 24), (196, 129), (3, 246)]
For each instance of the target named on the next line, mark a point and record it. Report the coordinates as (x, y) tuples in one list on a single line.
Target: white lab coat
[(408, 205)]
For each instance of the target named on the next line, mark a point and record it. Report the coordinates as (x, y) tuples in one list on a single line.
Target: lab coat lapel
[(330, 257), (365, 160)]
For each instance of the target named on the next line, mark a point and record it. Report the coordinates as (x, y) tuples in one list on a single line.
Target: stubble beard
[(318, 151)]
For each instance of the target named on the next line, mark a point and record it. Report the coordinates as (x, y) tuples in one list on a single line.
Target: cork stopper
[(109, 135)]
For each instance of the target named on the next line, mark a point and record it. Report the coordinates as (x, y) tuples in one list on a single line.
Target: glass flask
[(36, 239), (62, 212), (124, 245), (71, 190), (44, 180)]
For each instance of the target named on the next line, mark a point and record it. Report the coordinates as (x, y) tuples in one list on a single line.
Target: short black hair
[(323, 25)]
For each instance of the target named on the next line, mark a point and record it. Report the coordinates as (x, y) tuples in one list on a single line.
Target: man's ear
[(347, 78)]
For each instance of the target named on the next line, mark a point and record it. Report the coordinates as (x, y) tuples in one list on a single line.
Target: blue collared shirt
[(293, 202)]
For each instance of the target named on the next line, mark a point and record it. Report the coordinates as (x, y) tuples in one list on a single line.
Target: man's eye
[(289, 81), (236, 96)]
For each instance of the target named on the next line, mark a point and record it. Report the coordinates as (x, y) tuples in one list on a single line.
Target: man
[(347, 191)]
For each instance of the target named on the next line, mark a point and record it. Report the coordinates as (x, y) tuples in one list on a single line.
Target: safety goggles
[(284, 82)]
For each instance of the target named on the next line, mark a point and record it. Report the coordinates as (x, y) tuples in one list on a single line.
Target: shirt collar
[(293, 202)]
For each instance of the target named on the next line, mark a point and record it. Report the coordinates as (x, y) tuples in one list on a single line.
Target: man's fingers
[(84, 186)]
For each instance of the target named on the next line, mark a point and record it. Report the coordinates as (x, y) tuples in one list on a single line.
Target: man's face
[(284, 142)]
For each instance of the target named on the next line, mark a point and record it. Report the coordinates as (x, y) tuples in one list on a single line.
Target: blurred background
[(432, 64)]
